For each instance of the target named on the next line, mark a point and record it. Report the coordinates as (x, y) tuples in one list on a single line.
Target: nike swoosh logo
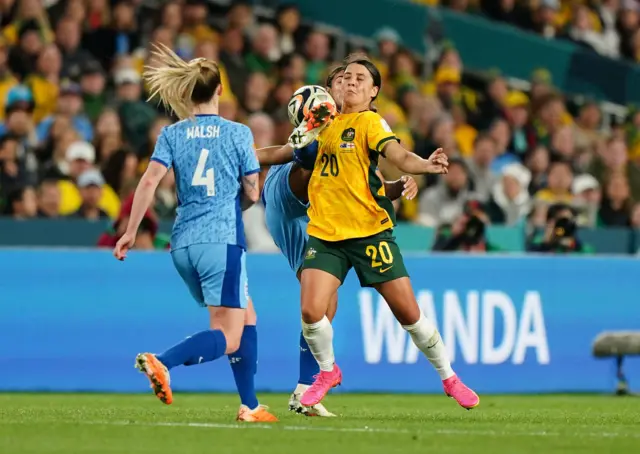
[(386, 269)]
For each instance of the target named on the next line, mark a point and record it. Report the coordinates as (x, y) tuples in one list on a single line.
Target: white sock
[(319, 336), (427, 338)]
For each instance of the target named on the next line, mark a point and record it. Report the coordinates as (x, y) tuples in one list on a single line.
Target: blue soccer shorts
[(216, 274)]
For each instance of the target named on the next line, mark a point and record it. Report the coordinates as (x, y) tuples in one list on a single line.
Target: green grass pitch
[(204, 423)]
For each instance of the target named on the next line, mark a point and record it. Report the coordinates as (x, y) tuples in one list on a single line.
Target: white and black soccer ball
[(304, 99)]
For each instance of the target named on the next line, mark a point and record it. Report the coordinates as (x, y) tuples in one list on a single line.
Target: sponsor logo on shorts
[(348, 135), (384, 270), (311, 254), (246, 290)]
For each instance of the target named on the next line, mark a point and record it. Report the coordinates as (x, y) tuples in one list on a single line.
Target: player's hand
[(123, 245), (438, 162), (410, 187)]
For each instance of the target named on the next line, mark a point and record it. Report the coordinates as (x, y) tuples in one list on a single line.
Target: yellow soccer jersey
[(346, 197)]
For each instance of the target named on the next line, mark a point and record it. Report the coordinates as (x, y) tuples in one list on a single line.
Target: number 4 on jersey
[(202, 177)]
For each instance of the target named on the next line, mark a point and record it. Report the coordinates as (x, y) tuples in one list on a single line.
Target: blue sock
[(308, 364), (200, 348), (244, 364)]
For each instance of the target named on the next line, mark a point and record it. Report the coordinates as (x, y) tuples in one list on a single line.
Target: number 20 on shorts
[(383, 250)]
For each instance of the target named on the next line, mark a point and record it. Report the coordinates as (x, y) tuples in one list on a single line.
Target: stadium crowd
[(76, 131), (609, 27)]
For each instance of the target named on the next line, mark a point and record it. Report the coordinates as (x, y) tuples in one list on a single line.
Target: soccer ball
[(304, 99)]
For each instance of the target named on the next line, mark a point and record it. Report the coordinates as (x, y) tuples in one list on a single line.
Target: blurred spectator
[(80, 157), (119, 38), (256, 93), (616, 203), (68, 35), (241, 16), (510, 202), (538, 161), (12, 171), (560, 233), (628, 23), (21, 203), (467, 233), (316, 50), (544, 18), (264, 50), (30, 12), (262, 128), (388, 41), (120, 171), (541, 87), (479, 165), (614, 160), (69, 105), (517, 115), (93, 85), (48, 199), (587, 197), (232, 46), (444, 203), (500, 132), (23, 56), (44, 82), (7, 80), (288, 24), (108, 136), (502, 10), (90, 184), (581, 31), (558, 188), (586, 132), (97, 14), (136, 114), (492, 104), (195, 29), (171, 17)]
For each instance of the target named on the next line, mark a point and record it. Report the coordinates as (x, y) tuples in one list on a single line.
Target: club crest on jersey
[(347, 146), (311, 254), (348, 135)]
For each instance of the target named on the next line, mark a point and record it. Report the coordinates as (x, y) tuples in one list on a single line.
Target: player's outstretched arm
[(409, 162), (276, 155), (141, 201), (250, 191)]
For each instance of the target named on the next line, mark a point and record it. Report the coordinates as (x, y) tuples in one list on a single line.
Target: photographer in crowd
[(560, 234), (467, 233)]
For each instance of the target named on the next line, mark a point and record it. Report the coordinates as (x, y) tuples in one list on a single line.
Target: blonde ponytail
[(179, 84)]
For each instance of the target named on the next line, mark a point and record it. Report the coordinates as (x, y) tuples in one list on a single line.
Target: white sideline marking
[(424, 430)]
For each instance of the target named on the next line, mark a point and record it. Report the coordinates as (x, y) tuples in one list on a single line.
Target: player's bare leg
[(318, 288), (301, 388), (401, 300)]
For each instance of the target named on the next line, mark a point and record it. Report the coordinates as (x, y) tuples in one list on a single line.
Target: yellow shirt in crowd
[(70, 200)]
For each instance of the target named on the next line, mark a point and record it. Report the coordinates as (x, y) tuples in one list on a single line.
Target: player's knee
[(311, 314), (233, 342)]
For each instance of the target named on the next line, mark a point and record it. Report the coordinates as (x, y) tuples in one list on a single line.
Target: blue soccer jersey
[(209, 156), (285, 215)]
